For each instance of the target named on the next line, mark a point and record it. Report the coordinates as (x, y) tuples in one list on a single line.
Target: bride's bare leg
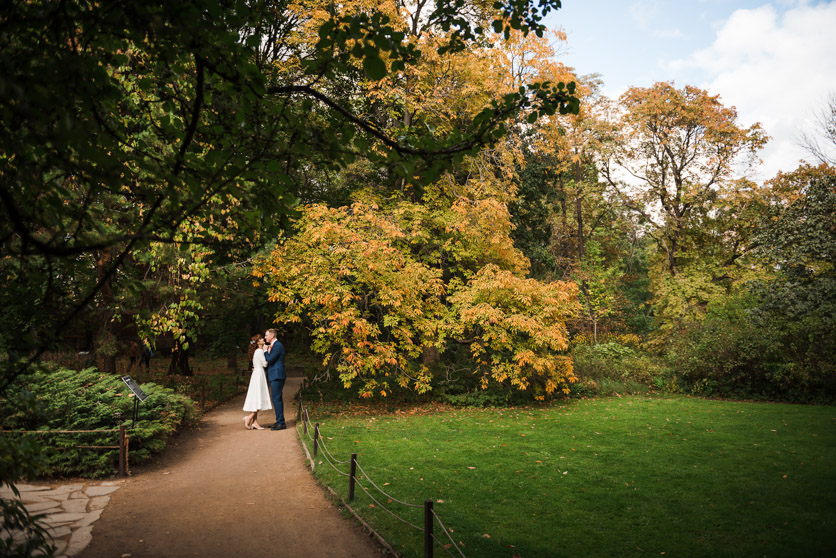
[(248, 421), (255, 422)]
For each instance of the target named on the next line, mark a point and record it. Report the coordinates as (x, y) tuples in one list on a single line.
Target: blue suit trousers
[(276, 387)]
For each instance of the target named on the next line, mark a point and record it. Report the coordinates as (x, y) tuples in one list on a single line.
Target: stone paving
[(68, 511)]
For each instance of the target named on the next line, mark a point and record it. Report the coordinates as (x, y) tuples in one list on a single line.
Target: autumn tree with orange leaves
[(373, 300), (391, 285), (676, 154)]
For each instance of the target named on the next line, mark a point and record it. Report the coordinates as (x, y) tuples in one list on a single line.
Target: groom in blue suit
[(274, 352)]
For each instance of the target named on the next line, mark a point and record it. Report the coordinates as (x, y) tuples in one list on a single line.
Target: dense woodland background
[(428, 197), (425, 201)]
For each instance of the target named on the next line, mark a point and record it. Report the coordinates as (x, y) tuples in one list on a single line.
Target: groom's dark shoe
[(278, 426)]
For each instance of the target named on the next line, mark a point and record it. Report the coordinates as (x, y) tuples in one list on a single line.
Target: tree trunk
[(180, 361), (430, 355), (106, 344), (564, 222), (579, 216), (232, 359), (579, 212)]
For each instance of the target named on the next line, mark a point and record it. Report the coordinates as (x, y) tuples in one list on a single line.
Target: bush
[(613, 367), (739, 352), (61, 399), (455, 385)]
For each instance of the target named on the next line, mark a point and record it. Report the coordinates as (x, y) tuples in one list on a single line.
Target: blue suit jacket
[(275, 362)]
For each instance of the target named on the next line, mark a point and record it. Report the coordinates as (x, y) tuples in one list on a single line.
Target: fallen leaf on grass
[(486, 536)]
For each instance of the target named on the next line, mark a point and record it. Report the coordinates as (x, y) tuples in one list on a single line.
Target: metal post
[(428, 529), (315, 438), (123, 452), (136, 411), (305, 421), (352, 477)]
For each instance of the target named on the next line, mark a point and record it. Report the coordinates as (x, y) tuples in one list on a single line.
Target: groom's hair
[(274, 332)]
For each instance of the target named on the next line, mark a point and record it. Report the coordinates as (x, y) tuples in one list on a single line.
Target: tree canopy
[(200, 124)]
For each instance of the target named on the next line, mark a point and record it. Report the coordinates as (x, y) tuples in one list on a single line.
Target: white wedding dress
[(258, 394)]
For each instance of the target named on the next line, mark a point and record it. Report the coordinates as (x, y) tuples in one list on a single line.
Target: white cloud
[(776, 69)]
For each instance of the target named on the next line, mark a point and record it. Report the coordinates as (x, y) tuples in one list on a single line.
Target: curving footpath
[(221, 490)]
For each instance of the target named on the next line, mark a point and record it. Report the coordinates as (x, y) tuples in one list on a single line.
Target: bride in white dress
[(258, 395)]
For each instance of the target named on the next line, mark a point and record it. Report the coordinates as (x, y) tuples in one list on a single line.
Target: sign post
[(137, 391)]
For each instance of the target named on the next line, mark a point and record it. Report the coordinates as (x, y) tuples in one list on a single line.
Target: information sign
[(141, 395)]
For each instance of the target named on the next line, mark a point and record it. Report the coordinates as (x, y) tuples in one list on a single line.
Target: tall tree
[(359, 278), (678, 150), (820, 141)]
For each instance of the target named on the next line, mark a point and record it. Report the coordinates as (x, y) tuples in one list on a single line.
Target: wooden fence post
[(428, 529), (352, 477), (315, 438), (305, 421)]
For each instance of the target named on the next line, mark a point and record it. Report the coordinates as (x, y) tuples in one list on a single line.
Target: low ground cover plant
[(597, 477), (51, 398)]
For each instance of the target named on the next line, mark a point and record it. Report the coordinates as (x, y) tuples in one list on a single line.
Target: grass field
[(600, 477)]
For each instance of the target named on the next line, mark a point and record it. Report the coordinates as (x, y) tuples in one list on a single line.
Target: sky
[(774, 61)]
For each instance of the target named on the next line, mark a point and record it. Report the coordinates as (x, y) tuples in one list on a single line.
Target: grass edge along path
[(630, 476)]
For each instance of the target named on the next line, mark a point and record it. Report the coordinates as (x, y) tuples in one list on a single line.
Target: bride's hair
[(253, 346)]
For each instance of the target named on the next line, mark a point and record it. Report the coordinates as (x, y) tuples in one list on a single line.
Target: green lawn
[(602, 477)]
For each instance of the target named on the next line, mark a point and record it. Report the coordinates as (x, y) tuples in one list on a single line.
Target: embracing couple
[(269, 355)]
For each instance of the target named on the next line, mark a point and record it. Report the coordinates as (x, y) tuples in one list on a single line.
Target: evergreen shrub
[(52, 398)]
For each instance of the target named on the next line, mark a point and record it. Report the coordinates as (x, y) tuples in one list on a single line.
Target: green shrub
[(461, 388), (740, 352), (61, 399), (615, 368)]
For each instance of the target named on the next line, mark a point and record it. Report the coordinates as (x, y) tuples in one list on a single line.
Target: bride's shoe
[(247, 425), (257, 426)]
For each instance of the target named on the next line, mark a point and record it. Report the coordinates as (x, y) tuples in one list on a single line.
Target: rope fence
[(312, 432)]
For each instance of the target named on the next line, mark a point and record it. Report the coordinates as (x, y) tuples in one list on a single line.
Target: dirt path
[(224, 491)]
